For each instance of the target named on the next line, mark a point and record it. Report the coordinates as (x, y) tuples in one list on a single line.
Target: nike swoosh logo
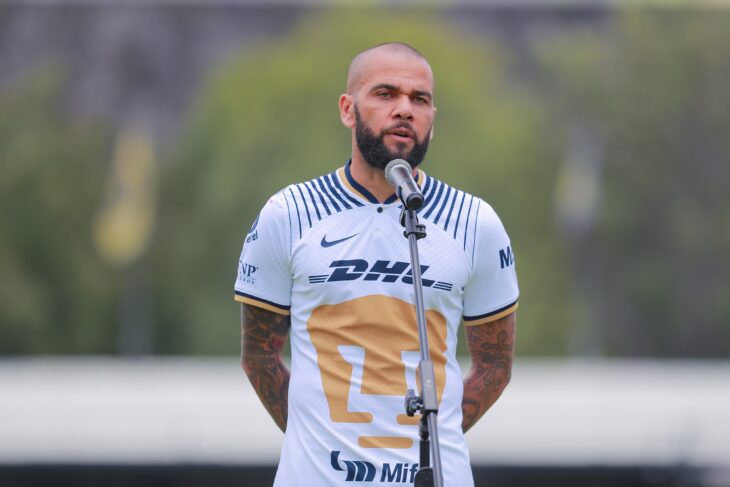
[(325, 243)]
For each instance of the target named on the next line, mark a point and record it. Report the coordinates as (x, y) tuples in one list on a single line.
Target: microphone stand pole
[(427, 402)]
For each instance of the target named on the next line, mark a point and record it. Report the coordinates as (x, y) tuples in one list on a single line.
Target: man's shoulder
[(438, 192), (294, 193), (323, 183), (306, 204), (322, 196), (450, 207), (276, 205)]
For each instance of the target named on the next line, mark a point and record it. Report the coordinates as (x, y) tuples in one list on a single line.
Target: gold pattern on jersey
[(384, 327)]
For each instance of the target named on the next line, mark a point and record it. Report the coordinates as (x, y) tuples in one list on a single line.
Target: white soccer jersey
[(334, 258)]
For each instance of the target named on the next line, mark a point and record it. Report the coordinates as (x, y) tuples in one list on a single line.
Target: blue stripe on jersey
[(427, 192), (426, 185), (453, 202), (328, 181), (443, 205), (321, 197), (466, 225), (458, 215), (329, 196), (288, 211), (336, 180), (306, 206), (435, 200), (298, 216), (251, 296), (314, 203), (474, 245), (491, 313)]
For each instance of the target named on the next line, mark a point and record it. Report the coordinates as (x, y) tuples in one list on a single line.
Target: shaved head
[(361, 65)]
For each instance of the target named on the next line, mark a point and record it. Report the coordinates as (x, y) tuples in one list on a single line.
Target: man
[(326, 262)]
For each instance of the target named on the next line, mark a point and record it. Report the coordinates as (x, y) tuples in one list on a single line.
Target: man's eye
[(383, 94), (420, 100)]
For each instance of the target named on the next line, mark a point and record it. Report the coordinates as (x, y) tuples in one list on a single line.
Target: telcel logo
[(253, 234)]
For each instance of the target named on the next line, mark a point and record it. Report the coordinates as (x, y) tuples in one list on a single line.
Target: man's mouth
[(401, 133)]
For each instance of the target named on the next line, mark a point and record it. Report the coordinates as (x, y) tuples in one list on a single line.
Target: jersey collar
[(358, 190)]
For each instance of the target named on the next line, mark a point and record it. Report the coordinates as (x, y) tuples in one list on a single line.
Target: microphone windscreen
[(392, 165)]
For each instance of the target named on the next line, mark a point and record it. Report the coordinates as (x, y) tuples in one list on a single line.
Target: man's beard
[(377, 154)]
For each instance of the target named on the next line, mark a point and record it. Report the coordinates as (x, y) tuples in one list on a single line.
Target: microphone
[(399, 173)]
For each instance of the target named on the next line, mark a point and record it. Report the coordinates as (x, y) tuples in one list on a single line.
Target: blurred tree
[(658, 257), (610, 176), (270, 119), (55, 295)]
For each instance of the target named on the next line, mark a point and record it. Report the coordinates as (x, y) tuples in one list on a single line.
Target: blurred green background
[(137, 145)]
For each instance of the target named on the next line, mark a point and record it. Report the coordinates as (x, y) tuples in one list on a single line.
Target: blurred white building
[(203, 411)]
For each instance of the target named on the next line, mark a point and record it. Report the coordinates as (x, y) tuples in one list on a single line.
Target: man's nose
[(404, 108)]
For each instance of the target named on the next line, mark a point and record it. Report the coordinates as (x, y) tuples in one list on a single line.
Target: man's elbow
[(247, 364), (506, 378)]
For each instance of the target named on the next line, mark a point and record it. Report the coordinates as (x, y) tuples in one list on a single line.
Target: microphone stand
[(427, 402)]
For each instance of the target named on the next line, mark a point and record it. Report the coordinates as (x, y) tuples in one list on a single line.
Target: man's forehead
[(392, 68)]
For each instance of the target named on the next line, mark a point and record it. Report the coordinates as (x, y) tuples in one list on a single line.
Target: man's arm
[(263, 336), (492, 348)]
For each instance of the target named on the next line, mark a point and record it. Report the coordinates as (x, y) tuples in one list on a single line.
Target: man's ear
[(430, 135), (347, 110)]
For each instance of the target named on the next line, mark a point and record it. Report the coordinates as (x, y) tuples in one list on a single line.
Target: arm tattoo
[(492, 348), (263, 336)]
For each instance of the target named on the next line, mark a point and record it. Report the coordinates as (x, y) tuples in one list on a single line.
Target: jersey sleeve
[(264, 269), (491, 292)]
